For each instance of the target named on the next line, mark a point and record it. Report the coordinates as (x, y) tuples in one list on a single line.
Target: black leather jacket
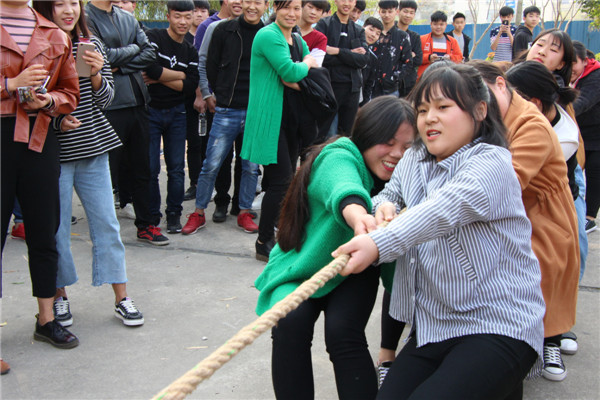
[(223, 60), (127, 48)]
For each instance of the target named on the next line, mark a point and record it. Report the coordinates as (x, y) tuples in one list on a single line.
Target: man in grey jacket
[(129, 53)]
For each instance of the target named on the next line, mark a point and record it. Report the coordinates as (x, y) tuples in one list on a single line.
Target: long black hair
[(376, 123), (464, 85), (46, 8), (533, 80)]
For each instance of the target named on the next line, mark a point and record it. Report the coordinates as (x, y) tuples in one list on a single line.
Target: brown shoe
[(5, 368)]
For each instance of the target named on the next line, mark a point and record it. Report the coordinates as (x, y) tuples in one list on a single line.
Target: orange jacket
[(50, 47), (452, 48)]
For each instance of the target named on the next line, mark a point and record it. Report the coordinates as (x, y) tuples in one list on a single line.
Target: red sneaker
[(195, 221), (245, 222), (18, 231)]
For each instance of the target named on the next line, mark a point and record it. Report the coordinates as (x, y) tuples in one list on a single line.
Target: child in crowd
[(586, 78), (539, 162), (463, 248), (523, 36), (327, 203), (437, 45)]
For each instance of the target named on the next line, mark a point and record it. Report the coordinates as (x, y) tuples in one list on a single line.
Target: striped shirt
[(504, 47), (95, 135), (19, 23), (463, 247)]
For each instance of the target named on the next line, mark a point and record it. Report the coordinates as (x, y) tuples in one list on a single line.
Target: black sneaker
[(554, 367), (190, 194), (220, 214), (152, 235), (590, 226), (264, 249), (173, 223), (382, 371), (127, 312), (55, 334), (73, 220), (62, 311)]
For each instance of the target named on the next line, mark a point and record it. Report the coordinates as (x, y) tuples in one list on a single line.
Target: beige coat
[(542, 172)]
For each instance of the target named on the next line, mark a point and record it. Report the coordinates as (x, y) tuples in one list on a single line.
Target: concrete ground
[(195, 294)]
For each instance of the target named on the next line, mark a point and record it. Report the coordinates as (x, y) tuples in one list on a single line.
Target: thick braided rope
[(188, 382)]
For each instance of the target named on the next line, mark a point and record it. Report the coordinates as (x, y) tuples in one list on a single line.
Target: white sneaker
[(126, 212), (212, 196), (554, 368), (568, 343)]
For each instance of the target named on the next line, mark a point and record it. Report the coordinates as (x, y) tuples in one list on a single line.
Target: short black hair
[(531, 9), (459, 15), (202, 4), (318, 4), (387, 4), (361, 5), (180, 5), (506, 11), (439, 16), (408, 4), (374, 22), (327, 7)]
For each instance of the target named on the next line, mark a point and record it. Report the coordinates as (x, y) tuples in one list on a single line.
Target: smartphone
[(505, 22), (83, 70)]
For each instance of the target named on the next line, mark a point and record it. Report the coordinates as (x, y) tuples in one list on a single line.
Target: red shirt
[(315, 40)]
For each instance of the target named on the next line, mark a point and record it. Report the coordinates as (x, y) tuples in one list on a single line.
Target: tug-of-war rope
[(188, 382)]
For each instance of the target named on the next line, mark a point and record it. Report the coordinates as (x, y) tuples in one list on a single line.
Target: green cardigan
[(338, 172), (269, 62)]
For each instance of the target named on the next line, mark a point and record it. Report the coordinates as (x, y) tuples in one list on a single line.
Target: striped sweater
[(95, 135), (465, 264)]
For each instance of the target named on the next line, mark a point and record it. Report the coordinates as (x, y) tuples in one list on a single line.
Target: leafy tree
[(592, 9)]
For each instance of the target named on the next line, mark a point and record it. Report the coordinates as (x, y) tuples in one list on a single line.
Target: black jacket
[(127, 48), (521, 40), (223, 59), (587, 109), (467, 42), (332, 27), (410, 78), (393, 53)]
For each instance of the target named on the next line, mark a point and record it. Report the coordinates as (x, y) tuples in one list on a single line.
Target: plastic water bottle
[(202, 124)]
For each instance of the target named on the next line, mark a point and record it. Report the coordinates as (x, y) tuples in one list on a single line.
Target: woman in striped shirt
[(466, 277), (85, 138)]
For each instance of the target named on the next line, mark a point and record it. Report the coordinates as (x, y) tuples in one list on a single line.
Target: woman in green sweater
[(328, 202), (272, 134)]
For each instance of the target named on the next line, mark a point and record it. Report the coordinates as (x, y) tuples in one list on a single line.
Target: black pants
[(391, 329), (130, 163), (33, 178), (347, 309), (468, 367), (347, 107), (592, 180)]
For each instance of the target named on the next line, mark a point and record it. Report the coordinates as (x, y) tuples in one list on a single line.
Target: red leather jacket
[(50, 47)]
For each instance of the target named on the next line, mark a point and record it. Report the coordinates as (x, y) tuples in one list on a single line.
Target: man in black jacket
[(129, 53), (408, 8), (393, 51), (171, 79), (346, 57), (228, 73), (524, 34)]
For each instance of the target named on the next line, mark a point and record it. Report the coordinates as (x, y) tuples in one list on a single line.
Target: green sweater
[(269, 62), (338, 172)]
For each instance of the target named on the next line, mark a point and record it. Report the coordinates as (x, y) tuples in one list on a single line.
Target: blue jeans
[(170, 125), (581, 210), (91, 179), (227, 126)]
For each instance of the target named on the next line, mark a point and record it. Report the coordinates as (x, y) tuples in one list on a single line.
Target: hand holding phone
[(84, 70)]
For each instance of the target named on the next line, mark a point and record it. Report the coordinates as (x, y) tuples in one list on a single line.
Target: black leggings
[(467, 367), (347, 309), (33, 178), (592, 180), (391, 329)]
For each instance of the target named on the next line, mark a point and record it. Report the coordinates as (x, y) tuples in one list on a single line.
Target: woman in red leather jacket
[(38, 81)]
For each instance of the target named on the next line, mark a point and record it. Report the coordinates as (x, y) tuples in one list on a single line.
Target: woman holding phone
[(85, 138)]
